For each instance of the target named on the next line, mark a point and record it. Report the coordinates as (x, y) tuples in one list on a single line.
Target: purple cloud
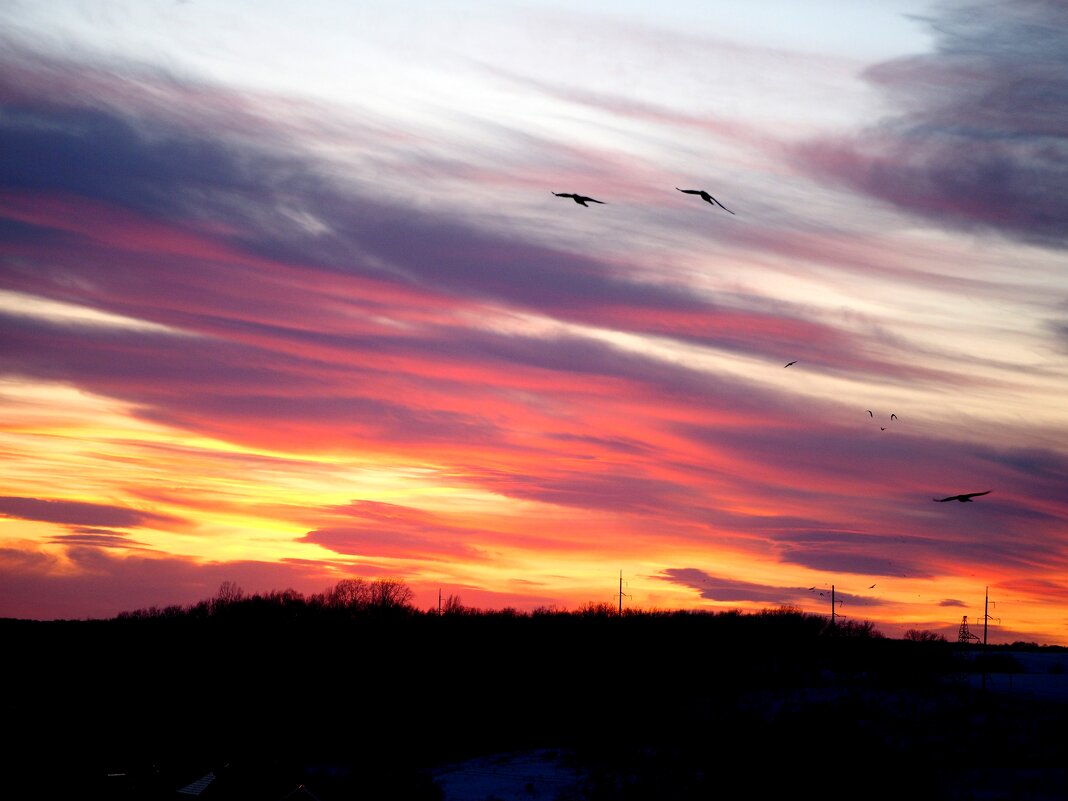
[(719, 588), (978, 140), (847, 562), (79, 513), (34, 584), (97, 538), (386, 529)]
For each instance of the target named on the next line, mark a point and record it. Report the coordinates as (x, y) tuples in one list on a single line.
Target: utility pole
[(986, 621), (439, 601), (832, 606), (986, 613), (621, 593)]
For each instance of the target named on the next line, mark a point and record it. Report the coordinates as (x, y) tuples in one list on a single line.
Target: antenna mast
[(963, 635)]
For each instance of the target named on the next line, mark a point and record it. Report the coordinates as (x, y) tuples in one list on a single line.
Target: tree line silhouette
[(358, 693), (355, 596), (391, 598)]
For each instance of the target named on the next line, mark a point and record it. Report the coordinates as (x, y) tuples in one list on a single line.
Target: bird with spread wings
[(706, 197), (965, 497), (580, 199)]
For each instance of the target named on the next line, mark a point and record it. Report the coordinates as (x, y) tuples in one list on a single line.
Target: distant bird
[(869, 413), (811, 589), (965, 497), (789, 363), (706, 197), (893, 416), (872, 587), (580, 199)]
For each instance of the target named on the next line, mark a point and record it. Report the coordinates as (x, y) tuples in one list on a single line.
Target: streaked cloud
[(96, 538), (385, 529), (721, 589), (16, 304), (79, 513)]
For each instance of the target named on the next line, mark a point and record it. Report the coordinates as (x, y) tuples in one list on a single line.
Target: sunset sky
[(285, 298)]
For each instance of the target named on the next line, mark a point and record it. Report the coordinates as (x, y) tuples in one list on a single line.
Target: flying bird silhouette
[(580, 199), (789, 363), (872, 587), (706, 197), (893, 416), (965, 497), (869, 413)]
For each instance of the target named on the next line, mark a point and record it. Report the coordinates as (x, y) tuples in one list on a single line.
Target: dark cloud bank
[(979, 140)]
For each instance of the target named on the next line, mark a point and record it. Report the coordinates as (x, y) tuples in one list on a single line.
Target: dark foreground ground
[(657, 707)]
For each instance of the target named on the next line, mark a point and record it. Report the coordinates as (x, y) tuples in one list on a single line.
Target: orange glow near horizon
[(216, 502)]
